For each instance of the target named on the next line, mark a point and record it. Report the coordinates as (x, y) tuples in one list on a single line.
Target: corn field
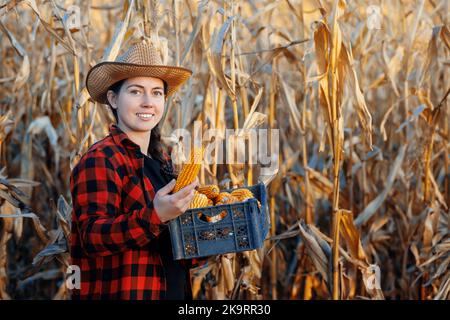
[(358, 91)]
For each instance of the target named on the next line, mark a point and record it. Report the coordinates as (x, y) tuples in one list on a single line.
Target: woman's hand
[(169, 206)]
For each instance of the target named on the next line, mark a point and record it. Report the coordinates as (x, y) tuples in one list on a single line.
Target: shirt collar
[(121, 137)]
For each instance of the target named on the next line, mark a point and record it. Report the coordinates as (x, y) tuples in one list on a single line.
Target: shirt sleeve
[(96, 192)]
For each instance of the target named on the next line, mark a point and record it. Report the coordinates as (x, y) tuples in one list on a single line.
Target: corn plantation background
[(364, 135)]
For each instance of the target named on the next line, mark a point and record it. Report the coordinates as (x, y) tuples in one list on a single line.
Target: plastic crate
[(244, 227)]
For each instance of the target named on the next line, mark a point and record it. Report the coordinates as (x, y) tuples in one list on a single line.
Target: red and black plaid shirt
[(114, 223)]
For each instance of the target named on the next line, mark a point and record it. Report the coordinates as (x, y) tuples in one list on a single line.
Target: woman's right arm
[(96, 192)]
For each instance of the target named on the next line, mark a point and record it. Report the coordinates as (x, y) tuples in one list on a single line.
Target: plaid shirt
[(114, 223)]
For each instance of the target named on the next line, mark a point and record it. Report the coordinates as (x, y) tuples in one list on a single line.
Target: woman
[(121, 188)]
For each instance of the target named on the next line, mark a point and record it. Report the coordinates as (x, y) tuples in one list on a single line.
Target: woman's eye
[(135, 92), (158, 93)]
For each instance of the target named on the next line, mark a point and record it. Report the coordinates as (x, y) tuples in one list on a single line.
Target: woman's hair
[(155, 148)]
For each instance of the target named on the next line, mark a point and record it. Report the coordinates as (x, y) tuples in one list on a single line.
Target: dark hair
[(155, 148)]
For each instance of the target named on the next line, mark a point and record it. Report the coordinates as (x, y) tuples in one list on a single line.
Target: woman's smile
[(145, 116)]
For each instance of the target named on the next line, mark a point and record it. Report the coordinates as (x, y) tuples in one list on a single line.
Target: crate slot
[(186, 219), (212, 218), (224, 233), (206, 235), (243, 242), (238, 214), (190, 249), (189, 237), (242, 230)]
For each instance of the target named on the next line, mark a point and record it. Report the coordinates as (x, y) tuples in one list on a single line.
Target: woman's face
[(139, 104)]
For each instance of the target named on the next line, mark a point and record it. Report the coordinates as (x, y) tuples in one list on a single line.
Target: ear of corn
[(211, 191), (190, 170), (224, 198), (242, 194), (200, 201)]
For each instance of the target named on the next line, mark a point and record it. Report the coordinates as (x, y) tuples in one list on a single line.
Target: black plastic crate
[(244, 226)]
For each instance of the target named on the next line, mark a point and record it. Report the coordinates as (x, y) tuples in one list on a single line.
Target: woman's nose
[(148, 101)]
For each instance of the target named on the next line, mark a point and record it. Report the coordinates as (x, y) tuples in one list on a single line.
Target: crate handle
[(212, 219)]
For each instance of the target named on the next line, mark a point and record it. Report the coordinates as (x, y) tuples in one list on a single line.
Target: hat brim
[(103, 75)]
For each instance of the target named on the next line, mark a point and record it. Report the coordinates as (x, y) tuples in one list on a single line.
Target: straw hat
[(141, 60)]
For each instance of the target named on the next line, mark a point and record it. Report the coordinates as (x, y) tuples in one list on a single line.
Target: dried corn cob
[(190, 170), (210, 202), (211, 191), (224, 198), (244, 194), (200, 201)]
